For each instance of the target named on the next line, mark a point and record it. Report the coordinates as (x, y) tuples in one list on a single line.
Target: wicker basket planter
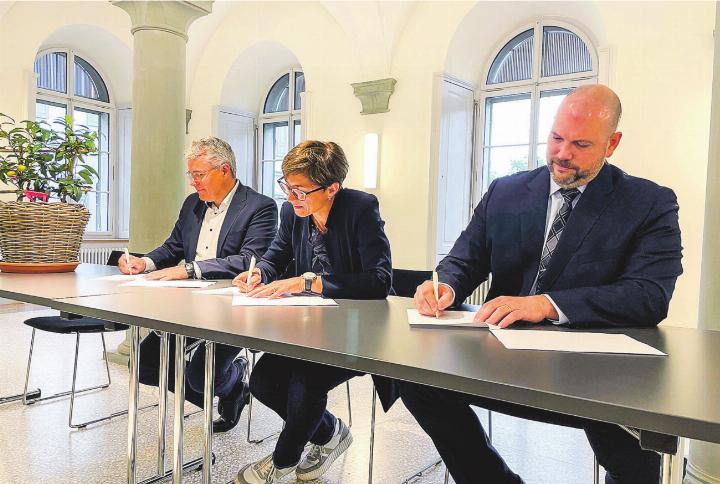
[(43, 234)]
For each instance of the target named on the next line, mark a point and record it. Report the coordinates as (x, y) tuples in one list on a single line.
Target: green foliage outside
[(516, 166)]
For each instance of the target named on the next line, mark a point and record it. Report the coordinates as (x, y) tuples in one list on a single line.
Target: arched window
[(527, 79), (279, 128), (69, 84)]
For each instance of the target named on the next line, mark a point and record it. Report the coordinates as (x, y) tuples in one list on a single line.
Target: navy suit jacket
[(616, 262), (249, 227), (356, 244), (358, 250)]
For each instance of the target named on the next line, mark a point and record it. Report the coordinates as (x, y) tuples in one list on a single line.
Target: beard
[(576, 178)]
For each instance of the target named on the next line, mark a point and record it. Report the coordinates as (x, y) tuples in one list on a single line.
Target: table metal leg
[(133, 394), (208, 407), (372, 436), (672, 465), (596, 470), (179, 408), (162, 403), (677, 470)]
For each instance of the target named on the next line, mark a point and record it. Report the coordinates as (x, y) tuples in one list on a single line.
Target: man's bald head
[(595, 100), (583, 135)]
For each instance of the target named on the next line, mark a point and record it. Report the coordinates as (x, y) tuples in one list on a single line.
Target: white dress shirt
[(555, 201), (209, 233)]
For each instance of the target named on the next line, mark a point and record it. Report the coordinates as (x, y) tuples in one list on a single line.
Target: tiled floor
[(37, 446)]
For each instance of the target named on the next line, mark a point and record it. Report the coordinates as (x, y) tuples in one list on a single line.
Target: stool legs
[(28, 399)]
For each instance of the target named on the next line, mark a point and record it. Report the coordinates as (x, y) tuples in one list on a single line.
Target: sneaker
[(321, 457), (262, 472)]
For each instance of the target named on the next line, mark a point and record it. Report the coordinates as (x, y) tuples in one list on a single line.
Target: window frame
[(71, 102), (290, 116), (533, 86)]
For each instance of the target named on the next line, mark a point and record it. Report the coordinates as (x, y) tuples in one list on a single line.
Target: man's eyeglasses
[(198, 176), (296, 192)]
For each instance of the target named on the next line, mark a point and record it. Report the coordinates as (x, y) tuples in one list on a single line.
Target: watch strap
[(190, 269)]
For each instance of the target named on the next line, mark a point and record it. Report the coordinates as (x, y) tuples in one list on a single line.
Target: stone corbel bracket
[(375, 95)]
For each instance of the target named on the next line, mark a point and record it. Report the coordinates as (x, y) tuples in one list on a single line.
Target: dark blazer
[(357, 247), (249, 227), (358, 250), (616, 262)]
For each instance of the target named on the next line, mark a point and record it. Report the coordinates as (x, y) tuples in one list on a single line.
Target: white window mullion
[(290, 117), (534, 117), (537, 51)]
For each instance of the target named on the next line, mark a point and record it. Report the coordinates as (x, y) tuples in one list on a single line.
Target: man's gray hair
[(216, 151)]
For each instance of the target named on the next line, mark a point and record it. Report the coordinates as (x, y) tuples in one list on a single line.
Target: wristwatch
[(309, 278), (190, 269)]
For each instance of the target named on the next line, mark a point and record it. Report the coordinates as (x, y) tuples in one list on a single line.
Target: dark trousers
[(297, 391), (447, 418), (226, 374)]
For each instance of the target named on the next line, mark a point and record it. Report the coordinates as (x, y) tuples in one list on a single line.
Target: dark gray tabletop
[(45, 289), (42, 289), (676, 395)]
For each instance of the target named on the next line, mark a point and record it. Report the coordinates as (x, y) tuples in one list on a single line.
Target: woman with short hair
[(331, 242)]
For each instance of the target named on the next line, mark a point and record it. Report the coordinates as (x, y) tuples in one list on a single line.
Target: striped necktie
[(556, 229)]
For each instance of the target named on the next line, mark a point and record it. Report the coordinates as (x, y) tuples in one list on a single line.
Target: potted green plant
[(42, 230)]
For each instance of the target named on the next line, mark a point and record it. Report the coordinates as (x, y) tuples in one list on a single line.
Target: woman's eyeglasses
[(296, 192)]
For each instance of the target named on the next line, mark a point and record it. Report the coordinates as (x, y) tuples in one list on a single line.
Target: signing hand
[(241, 280), (278, 288), (425, 301), (506, 310), (137, 265), (170, 274)]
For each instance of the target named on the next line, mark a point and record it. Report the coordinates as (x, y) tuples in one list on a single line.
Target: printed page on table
[(577, 342), (243, 300), (462, 319)]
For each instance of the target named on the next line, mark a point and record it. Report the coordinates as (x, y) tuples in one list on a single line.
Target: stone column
[(158, 183), (158, 134), (703, 465)]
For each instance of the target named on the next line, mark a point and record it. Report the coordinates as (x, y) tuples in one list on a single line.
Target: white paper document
[(243, 300), (223, 291), (120, 277), (179, 283), (528, 339), (461, 319)]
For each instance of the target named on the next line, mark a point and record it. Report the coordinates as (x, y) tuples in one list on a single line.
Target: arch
[(108, 54), (21, 21), (252, 74), (527, 31), (489, 26), (250, 28)]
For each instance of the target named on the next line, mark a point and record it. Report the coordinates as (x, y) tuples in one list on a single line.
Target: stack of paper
[(532, 339), (243, 300), (179, 283), (120, 277), (223, 291), (463, 319)]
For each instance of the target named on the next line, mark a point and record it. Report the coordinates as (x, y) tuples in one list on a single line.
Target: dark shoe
[(230, 407)]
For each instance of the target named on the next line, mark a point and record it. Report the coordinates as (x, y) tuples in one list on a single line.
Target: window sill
[(105, 241)]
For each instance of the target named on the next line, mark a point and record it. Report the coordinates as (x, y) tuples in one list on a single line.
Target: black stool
[(67, 324)]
